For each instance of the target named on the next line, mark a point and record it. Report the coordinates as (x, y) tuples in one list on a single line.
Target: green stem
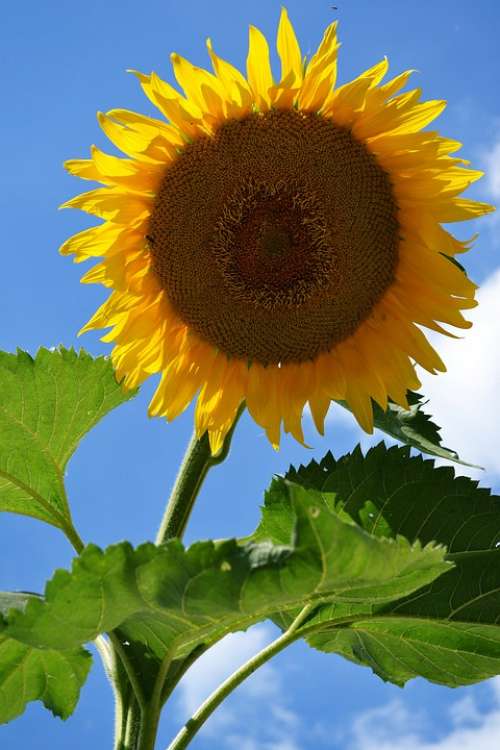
[(73, 538), (129, 720), (127, 708), (116, 643), (195, 466), (151, 713), (192, 727)]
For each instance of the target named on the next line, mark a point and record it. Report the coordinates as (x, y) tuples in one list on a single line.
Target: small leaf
[(47, 404), (412, 427), (29, 674)]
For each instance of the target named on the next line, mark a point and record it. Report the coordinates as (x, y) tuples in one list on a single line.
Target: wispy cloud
[(465, 400), (396, 727), (491, 160), (257, 716)]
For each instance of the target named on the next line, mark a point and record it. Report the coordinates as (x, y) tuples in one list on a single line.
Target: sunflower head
[(276, 241)]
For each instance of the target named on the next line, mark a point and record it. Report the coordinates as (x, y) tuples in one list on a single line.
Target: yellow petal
[(200, 87), (361, 406), (347, 101), (84, 168), (112, 170), (113, 204), (100, 240), (319, 404), (321, 73), (399, 119), (185, 116), (395, 84), (133, 142), (234, 82), (327, 47), (461, 209), (289, 51), (259, 72), (377, 72), (258, 398)]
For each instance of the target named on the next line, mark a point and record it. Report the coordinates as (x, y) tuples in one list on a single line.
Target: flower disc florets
[(275, 237)]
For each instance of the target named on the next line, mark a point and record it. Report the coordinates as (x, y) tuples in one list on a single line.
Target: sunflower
[(275, 242)]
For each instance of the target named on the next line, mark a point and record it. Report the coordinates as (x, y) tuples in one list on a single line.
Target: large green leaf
[(28, 674), (412, 427), (47, 404), (447, 631), (399, 648), (175, 600)]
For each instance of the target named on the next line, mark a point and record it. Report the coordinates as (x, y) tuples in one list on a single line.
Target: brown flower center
[(275, 238)]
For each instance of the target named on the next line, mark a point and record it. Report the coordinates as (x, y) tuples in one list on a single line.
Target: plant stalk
[(131, 726), (198, 460), (137, 718), (195, 723)]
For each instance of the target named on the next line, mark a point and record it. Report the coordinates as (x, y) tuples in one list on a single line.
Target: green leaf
[(47, 404), (175, 600), (397, 649), (412, 427), (448, 630), (409, 495), (28, 674)]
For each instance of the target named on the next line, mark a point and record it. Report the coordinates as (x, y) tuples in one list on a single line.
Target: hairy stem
[(127, 708), (116, 643), (194, 468), (192, 727), (152, 711), (138, 718), (131, 720)]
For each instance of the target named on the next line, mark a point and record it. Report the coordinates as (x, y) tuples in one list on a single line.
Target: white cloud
[(257, 705), (465, 711), (490, 188), (491, 160), (465, 401), (221, 661), (396, 727)]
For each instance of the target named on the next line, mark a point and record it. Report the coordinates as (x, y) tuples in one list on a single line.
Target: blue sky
[(60, 63)]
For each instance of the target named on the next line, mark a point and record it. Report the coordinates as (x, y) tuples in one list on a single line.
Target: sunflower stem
[(197, 461), (195, 723), (131, 725)]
